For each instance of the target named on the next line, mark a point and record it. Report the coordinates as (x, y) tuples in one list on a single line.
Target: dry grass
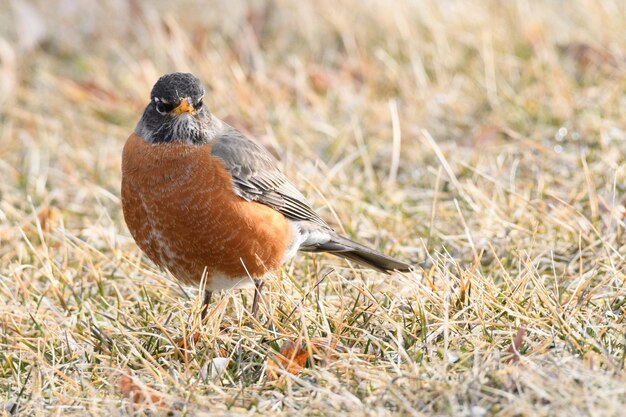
[(483, 140)]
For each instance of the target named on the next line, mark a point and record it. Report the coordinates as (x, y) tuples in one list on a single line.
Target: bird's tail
[(345, 248)]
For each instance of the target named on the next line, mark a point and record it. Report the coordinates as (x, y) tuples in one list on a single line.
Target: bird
[(212, 206)]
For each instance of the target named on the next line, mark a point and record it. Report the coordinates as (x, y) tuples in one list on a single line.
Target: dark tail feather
[(348, 249)]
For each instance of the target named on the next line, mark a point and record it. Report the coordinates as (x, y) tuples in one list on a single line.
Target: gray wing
[(256, 177)]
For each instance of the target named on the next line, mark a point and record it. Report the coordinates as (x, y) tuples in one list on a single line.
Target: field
[(483, 141)]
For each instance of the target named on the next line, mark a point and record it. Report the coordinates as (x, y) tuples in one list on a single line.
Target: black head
[(170, 89), (176, 111)]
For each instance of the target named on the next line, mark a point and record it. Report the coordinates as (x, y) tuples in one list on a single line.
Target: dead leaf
[(138, 395), (185, 346), (589, 56), (321, 79), (485, 136), (291, 358), (515, 347), (47, 218), (187, 343)]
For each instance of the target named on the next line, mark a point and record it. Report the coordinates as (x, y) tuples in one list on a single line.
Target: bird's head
[(176, 112)]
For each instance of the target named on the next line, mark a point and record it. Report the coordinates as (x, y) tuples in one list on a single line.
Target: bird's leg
[(258, 286), (205, 304)]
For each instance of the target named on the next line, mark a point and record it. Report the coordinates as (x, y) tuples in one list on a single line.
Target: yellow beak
[(184, 107)]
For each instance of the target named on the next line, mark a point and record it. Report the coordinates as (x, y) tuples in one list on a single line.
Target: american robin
[(203, 200)]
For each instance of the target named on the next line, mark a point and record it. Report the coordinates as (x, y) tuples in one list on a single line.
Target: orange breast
[(179, 205)]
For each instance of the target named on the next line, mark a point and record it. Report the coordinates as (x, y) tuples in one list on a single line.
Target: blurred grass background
[(483, 141)]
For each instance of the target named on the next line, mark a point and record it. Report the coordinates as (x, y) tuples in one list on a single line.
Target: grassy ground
[(483, 141)]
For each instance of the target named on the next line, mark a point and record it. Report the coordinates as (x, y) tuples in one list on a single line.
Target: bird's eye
[(163, 107), (199, 104)]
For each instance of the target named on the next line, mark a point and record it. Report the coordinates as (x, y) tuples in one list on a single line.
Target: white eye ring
[(160, 109), (161, 106)]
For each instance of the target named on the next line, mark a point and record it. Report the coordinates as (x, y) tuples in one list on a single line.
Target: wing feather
[(256, 177)]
